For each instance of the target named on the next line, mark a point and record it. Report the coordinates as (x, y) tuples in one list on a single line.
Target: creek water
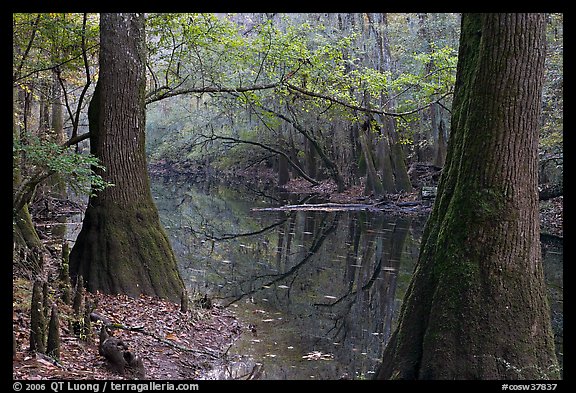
[(319, 290)]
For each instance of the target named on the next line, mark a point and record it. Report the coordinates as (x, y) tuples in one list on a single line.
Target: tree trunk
[(122, 248), (283, 174), (24, 235), (394, 172), (373, 183), (56, 183), (442, 145), (401, 178), (477, 307), (310, 159)]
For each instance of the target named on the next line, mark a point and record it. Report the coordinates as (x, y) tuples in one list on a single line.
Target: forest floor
[(172, 344)]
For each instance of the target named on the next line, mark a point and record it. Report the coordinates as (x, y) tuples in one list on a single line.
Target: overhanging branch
[(265, 147)]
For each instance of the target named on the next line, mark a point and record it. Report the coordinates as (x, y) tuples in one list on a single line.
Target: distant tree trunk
[(51, 128), (283, 174), (56, 183), (122, 248), (477, 307), (442, 145), (385, 167), (373, 185), (393, 169), (430, 142), (398, 159), (310, 157)]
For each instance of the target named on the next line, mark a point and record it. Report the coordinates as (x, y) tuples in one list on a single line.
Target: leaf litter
[(200, 339)]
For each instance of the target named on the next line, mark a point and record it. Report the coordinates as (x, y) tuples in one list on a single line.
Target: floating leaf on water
[(317, 355)]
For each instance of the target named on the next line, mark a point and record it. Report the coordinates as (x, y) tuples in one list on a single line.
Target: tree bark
[(477, 307), (373, 185), (122, 247)]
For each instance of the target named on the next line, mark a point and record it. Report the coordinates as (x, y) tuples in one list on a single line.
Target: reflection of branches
[(348, 300), (228, 236), (398, 240), (318, 241), (365, 287)]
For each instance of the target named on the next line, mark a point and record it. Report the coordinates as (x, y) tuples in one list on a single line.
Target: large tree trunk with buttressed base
[(122, 247), (477, 307)]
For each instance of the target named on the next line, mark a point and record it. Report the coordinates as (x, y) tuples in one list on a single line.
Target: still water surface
[(322, 289)]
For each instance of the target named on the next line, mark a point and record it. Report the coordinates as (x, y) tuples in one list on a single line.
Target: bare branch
[(16, 75), (271, 149)]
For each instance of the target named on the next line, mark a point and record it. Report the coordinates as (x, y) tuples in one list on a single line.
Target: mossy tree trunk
[(27, 245), (122, 247), (477, 307)]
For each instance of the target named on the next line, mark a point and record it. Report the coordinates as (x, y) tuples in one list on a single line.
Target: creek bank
[(264, 179), (173, 344)]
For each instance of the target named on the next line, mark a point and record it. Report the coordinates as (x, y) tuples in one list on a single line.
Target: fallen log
[(385, 206), (320, 207)]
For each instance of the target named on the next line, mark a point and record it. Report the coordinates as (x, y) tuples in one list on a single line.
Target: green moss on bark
[(126, 251)]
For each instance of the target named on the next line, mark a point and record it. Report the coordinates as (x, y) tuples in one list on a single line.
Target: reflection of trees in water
[(334, 275), (363, 315), (345, 272), (287, 271)]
